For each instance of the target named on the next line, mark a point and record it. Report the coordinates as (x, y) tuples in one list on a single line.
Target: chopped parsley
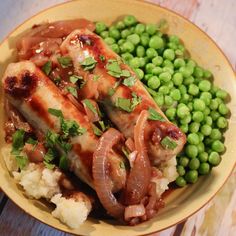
[(22, 161), (122, 165), (72, 90), (55, 112), (102, 125), (49, 166), (154, 115), (89, 63), (32, 141), (51, 138), (129, 82), (17, 142), (168, 143), (128, 104), (57, 80), (112, 90), (113, 68), (65, 62), (63, 163), (48, 158), (71, 128), (75, 78), (102, 58), (47, 67), (96, 77), (125, 151), (125, 73), (97, 131), (90, 106)]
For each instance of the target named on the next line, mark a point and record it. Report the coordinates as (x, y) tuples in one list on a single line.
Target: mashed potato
[(72, 211), (38, 181), (168, 174)]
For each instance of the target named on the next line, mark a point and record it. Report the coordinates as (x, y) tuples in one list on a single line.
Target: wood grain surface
[(218, 19)]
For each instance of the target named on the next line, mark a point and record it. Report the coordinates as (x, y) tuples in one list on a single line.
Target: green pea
[(191, 63), (184, 128), (157, 70), (157, 60), (201, 136), (214, 159), (139, 73), (175, 94), (169, 54), (154, 82), (129, 20), (149, 67), (147, 77), (191, 151), (139, 28), (186, 119), (218, 146), (114, 33), (180, 170), (198, 105), (159, 99), (140, 51), (182, 111), (120, 42), (203, 157), (127, 47), (221, 122), (180, 181), (183, 161), (204, 85), (151, 29), (156, 42), (179, 53), (165, 76), (223, 109), (172, 46), (174, 39), (170, 113), (215, 115), (208, 120), (168, 69), (142, 61), (100, 27), (125, 33), (164, 89), (127, 56), (207, 74), (198, 72), (206, 97), (206, 130), (194, 164), (144, 40), (109, 40), (168, 100), (208, 141), (194, 127), (198, 116), (193, 89), (115, 48), (215, 134), (179, 62), (204, 169), (191, 176), (201, 147), (168, 63), (182, 89), (193, 138), (134, 39), (120, 25), (188, 80), (214, 104), (151, 53), (186, 71), (222, 94), (104, 34)]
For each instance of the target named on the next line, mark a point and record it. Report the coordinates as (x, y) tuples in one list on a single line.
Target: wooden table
[(218, 217)]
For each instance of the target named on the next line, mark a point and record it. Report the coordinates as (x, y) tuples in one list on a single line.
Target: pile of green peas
[(181, 88)]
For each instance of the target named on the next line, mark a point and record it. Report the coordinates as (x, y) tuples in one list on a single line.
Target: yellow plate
[(181, 203)]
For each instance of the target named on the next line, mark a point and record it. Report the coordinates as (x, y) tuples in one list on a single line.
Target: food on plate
[(84, 132)]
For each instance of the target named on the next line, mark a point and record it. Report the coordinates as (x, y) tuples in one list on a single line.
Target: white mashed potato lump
[(71, 211), (38, 182)]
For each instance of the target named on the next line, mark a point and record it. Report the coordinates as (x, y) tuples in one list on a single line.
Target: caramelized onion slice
[(134, 211), (101, 179), (139, 177)]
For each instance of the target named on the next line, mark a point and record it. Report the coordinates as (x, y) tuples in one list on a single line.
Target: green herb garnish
[(55, 112), (72, 90), (75, 78), (102, 58), (49, 166), (18, 142), (90, 105), (97, 131), (71, 128), (128, 104), (154, 115), (65, 62), (51, 138), (47, 67), (168, 143), (22, 161), (89, 63), (122, 165), (57, 80), (32, 141), (113, 68), (135, 100), (129, 82), (125, 73), (96, 77), (63, 163)]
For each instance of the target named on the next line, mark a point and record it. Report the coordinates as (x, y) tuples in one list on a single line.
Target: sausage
[(30, 91), (81, 44)]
